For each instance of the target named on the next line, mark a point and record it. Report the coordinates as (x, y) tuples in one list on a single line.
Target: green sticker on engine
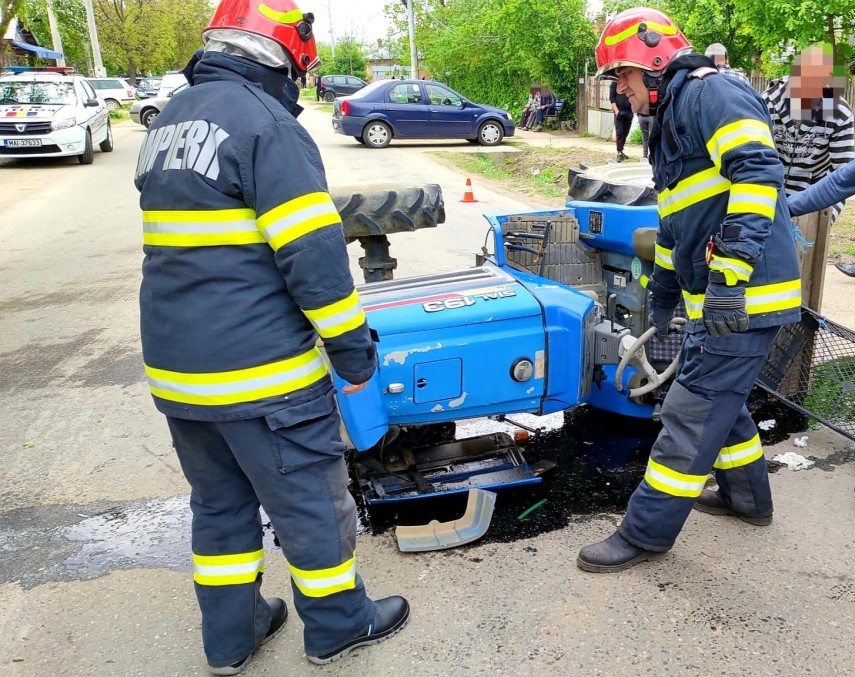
[(636, 268)]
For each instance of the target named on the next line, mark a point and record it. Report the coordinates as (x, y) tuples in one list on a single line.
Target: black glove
[(724, 307), (660, 316)]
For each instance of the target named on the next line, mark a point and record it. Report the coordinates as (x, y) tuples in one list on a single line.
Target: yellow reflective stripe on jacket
[(228, 569), (735, 134), (201, 228), (752, 198), (325, 582), (337, 318), (672, 482), (734, 270), (764, 298), (741, 454), (696, 188), (627, 33), (770, 298), (293, 219), (663, 257), (244, 385)]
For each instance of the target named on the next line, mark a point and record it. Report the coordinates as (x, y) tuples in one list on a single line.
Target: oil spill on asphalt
[(601, 458)]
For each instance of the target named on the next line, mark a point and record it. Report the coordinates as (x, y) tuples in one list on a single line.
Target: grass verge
[(532, 171)]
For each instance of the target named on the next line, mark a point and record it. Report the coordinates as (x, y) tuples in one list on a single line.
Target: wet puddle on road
[(599, 460)]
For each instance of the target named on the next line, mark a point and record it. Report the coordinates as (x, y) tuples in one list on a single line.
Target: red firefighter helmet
[(640, 37), (279, 20)]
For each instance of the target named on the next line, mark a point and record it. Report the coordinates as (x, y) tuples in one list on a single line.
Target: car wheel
[(112, 104), (491, 133), (329, 97), (360, 139), (377, 134), (87, 157), (148, 116), (106, 145)]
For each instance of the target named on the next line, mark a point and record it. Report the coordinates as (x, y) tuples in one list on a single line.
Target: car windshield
[(365, 91), (21, 91)]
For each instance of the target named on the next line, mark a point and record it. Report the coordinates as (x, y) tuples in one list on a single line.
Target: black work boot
[(713, 503), (613, 554), (392, 615), (278, 616), (846, 268)]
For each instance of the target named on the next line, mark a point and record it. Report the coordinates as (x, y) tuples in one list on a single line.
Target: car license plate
[(23, 143)]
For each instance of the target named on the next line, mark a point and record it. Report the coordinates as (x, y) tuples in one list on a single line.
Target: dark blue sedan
[(417, 109)]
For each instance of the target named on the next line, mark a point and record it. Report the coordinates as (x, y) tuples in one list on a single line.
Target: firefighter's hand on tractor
[(661, 315), (353, 389), (724, 307)]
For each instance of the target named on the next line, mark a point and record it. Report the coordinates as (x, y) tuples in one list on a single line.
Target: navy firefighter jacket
[(721, 200), (245, 259)]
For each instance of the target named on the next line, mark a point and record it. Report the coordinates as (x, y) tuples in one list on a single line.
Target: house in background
[(19, 47)]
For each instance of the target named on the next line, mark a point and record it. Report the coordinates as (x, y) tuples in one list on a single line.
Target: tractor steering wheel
[(631, 350)]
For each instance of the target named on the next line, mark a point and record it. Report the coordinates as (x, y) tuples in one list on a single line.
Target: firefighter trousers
[(292, 463), (706, 425)]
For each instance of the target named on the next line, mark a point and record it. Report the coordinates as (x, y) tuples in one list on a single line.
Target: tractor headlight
[(63, 124)]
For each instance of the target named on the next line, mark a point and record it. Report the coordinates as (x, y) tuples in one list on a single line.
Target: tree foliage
[(757, 32), (71, 21), (349, 58), (150, 35), (493, 51)]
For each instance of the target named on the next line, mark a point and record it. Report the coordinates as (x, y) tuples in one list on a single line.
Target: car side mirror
[(464, 104), (91, 103)]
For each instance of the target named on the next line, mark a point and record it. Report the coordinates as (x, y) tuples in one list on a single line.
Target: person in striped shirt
[(812, 124)]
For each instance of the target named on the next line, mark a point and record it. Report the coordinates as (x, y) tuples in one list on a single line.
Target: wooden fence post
[(582, 107), (815, 228)]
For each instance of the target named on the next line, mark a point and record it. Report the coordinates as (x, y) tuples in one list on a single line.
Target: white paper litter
[(801, 441), (793, 461), (767, 425)]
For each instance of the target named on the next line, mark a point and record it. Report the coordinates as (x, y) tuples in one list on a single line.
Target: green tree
[(706, 21), (9, 9), (494, 50), (349, 58), (150, 35), (71, 20), (782, 23)]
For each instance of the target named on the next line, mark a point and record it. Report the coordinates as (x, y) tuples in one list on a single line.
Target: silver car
[(144, 111)]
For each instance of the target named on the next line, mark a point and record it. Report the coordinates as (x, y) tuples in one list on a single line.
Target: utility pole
[(93, 40), (54, 33), (414, 55), (332, 35)]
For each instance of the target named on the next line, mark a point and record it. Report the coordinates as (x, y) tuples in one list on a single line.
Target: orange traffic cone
[(469, 196)]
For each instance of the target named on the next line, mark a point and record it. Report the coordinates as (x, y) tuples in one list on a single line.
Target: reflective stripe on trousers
[(292, 462), (704, 423)]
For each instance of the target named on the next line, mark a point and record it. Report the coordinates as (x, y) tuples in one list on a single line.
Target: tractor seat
[(644, 243)]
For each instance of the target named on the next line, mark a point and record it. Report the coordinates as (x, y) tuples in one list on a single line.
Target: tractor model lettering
[(448, 304), (459, 302)]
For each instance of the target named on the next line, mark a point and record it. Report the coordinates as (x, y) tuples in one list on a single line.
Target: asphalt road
[(94, 555)]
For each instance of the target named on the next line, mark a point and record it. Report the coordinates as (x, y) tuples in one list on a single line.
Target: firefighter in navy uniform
[(725, 244), (245, 266)]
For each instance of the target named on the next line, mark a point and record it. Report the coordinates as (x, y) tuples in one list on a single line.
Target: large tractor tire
[(368, 211), (625, 184)]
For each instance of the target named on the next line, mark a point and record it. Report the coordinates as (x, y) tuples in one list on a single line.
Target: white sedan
[(51, 115)]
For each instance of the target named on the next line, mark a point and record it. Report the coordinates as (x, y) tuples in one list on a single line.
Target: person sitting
[(530, 109), (547, 101)]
